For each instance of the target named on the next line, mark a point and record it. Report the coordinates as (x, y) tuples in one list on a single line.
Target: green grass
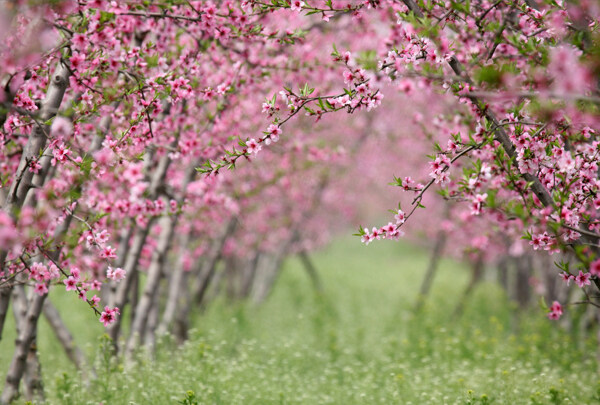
[(358, 343)]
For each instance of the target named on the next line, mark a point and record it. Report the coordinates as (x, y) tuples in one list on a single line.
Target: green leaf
[(489, 74)]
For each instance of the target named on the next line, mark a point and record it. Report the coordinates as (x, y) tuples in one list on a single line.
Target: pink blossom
[(376, 233), (273, 131), (41, 288), (583, 279), (102, 237), (35, 166), (400, 217), (108, 252), (109, 315), (595, 268), (567, 277), (556, 311), (115, 274), (61, 127), (75, 273), (296, 5), (173, 206), (8, 231), (70, 283), (95, 300), (477, 203), (60, 154), (366, 238), (76, 60), (253, 146)]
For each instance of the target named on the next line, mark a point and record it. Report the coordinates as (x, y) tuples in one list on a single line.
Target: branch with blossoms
[(107, 316), (440, 167), (304, 5), (558, 202), (359, 96), (12, 279)]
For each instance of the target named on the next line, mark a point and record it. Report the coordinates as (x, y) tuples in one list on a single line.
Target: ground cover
[(358, 342)]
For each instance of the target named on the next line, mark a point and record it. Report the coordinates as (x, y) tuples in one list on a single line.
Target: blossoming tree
[(120, 121)]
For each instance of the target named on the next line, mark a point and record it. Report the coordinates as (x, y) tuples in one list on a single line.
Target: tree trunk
[(436, 255), (181, 323), (109, 292), (22, 182), (175, 287), (477, 269), (522, 287), (268, 274), (150, 333), (207, 270), (133, 255), (32, 377), (149, 297), (311, 270), (502, 267), (23, 344), (65, 338), (249, 275), (123, 288)]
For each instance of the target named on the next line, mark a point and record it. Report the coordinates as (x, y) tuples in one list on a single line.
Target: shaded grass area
[(357, 343)]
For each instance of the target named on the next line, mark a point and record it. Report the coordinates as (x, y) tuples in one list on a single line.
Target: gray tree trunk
[(150, 296), (22, 182), (434, 260), (176, 286), (65, 338)]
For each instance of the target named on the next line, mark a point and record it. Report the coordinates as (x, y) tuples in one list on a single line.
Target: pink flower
[(79, 40), (115, 274), (95, 300), (76, 60), (366, 239), (76, 273), (108, 253), (60, 154), (348, 76), (108, 316), (35, 167), (556, 311), (253, 146), (595, 267), (296, 5), (61, 127), (389, 228), (8, 231), (274, 131), (554, 316), (70, 283), (477, 203), (567, 277), (41, 288), (102, 237), (400, 217), (556, 307), (267, 108), (583, 279)]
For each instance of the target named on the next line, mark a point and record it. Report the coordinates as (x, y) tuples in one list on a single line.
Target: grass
[(357, 343)]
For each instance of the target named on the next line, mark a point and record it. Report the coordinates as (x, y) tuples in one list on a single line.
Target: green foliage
[(189, 399)]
